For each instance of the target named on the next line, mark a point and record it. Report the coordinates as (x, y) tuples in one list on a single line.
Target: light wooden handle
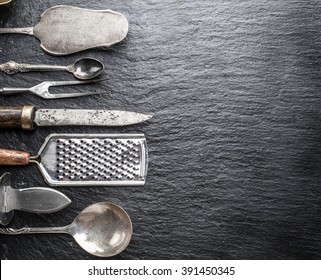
[(12, 157)]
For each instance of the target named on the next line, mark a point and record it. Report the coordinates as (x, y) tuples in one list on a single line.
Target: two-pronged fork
[(42, 89)]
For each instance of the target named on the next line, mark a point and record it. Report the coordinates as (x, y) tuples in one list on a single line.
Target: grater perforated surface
[(94, 159), (97, 159)]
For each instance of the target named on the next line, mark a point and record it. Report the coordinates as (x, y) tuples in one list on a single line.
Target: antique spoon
[(83, 69), (102, 229)]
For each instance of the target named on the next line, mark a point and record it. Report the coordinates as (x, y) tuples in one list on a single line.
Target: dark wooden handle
[(17, 117), (12, 157)]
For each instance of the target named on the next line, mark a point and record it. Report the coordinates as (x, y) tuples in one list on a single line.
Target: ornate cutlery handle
[(12, 67), (26, 230), (11, 231)]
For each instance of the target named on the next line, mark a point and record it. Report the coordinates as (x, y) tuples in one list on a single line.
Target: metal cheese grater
[(88, 159)]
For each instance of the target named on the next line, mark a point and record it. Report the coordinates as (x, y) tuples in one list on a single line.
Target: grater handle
[(17, 117), (12, 157)]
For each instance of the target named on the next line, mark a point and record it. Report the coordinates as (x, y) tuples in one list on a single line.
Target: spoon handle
[(12, 67), (27, 230), (19, 30)]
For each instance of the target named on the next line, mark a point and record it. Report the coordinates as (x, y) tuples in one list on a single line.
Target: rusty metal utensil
[(30, 117), (87, 159)]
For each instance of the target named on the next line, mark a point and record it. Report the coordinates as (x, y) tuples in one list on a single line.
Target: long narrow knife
[(27, 117)]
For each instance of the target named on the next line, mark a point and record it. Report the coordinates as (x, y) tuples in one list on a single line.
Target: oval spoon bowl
[(103, 229)]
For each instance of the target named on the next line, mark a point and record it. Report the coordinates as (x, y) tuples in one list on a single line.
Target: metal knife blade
[(67, 117)]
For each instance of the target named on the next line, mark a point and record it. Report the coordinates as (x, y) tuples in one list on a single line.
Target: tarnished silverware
[(102, 229), (65, 29), (42, 89), (36, 200), (28, 117), (87, 159), (83, 69)]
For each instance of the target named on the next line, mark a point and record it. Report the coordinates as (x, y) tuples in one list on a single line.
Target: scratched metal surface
[(235, 143)]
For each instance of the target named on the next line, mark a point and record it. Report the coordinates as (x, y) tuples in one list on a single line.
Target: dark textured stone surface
[(234, 146)]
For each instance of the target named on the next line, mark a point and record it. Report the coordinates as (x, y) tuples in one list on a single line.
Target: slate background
[(234, 145)]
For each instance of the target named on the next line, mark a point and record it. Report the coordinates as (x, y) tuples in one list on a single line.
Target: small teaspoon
[(83, 69)]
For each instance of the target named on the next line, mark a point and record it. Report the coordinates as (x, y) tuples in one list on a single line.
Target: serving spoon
[(83, 69), (102, 229)]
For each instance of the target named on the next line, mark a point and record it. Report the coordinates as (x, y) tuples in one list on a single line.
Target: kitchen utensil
[(27, 117), (42, 89), (36, 200), (87, 159), (66, 29), (83, 69), (102, 229), (3, 2)]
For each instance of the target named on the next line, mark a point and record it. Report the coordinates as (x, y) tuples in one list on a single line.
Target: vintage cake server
[(36, 200), (65, 29), (102, 229), (83, 69), (42, 89), (27, 117), (87, 159)]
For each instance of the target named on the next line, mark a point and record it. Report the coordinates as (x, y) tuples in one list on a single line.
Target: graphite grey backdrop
[(234, 145)]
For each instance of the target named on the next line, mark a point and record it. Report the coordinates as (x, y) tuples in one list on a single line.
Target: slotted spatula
[(66, 29), (87, 159)]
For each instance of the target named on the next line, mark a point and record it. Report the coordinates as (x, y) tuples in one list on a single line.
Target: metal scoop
[(42, 90), (87, 159), (36, 200), (102, 229)]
